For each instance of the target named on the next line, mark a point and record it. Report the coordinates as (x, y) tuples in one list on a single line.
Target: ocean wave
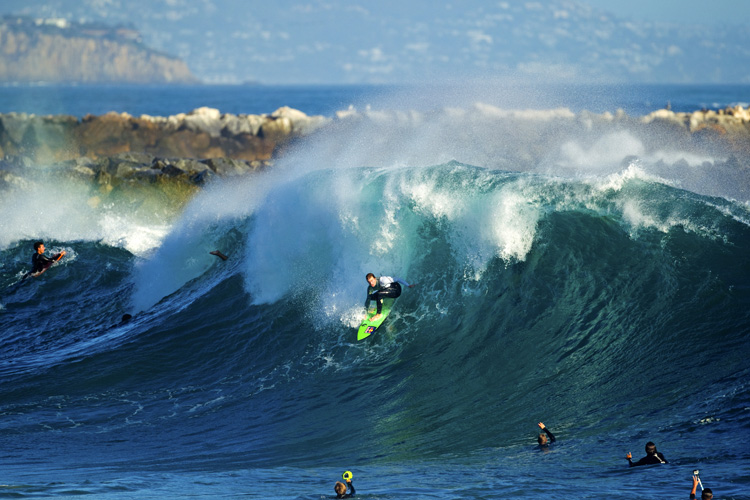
[(535, 294)]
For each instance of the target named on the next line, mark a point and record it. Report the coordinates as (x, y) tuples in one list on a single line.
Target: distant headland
[(61, 51)]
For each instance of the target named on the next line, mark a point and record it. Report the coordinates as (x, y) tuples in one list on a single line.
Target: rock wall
[(189, 149), (201, 134), (119, 150)]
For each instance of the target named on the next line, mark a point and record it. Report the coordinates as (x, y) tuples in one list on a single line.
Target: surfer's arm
[(351, 487), (370, 291), (402, 282), (58, 256), (635, 464), (546, 431), (549, 435), (695, 487)]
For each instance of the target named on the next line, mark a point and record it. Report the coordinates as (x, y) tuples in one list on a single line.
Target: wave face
[(601, 306)]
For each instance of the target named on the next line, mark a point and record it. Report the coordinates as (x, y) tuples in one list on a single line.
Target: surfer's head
[(340, 489), (542, 439), (650, 448), (371, 279), (707, 494), (38, 245)]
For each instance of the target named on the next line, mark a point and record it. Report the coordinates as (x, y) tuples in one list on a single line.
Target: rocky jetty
[(177, 153), (728, 128), (189, 149), (202, 133)]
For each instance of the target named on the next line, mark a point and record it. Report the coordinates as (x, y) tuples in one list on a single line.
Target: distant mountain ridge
[(389, 41), (60, 51)]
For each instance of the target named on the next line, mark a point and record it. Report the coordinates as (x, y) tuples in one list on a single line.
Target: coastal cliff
[(58, 51)]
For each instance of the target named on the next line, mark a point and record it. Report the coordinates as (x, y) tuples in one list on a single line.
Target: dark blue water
[(614, 307)]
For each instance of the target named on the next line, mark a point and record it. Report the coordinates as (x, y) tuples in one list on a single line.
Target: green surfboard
[(368, 326)]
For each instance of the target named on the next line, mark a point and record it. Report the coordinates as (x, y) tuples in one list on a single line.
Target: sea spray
[(61, 209)]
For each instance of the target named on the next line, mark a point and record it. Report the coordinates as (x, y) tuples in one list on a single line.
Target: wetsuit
[(40, 262), (387, 287), (350, 494), (649, 459)]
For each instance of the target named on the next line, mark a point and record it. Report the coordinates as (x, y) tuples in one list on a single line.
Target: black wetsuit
[(40, 262), (649, 459), (387, 288), (350, 494)]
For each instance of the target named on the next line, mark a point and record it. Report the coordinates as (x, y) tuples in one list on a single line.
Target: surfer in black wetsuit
[(652, 457), (219, 255), (340, 489), (40, 262), (381, 288), (543, 440)]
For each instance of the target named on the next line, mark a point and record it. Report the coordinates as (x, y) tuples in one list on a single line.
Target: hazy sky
[(678, 11), (397, 41)]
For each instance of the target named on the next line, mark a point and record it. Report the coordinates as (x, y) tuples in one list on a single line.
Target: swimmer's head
[(339, 488), (542, 439), (650, 448)]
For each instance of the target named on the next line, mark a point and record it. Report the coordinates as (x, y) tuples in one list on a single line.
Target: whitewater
[(596, 291)]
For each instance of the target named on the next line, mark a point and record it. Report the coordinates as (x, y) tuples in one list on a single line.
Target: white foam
[(616, 181), (64, 211), (513, 222), (607, 151)]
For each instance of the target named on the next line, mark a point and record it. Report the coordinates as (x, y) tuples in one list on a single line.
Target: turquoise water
[(611, 306)]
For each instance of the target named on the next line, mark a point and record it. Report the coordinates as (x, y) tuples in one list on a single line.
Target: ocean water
[(605, 299), (80, 100)]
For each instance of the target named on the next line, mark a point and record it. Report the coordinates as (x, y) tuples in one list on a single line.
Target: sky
[(678, 11), (396, 41)]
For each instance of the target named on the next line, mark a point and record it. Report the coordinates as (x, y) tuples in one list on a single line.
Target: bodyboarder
[(40, 262)]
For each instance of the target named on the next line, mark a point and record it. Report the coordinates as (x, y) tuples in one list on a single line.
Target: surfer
[(652, 457), (380, 288), (219, 255), (542, 439), (40, 262), (340, 489)]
